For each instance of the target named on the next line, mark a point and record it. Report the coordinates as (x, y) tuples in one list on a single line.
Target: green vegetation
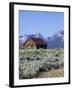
[(32, 62)]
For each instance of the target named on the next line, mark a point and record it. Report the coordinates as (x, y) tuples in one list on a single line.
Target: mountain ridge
[(54, 41)]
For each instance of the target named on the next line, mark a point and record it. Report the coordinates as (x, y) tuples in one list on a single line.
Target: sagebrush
[(34, 61)]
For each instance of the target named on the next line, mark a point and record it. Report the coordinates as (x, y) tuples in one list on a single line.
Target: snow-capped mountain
[(38, 35), (22, 39), (56, 41)]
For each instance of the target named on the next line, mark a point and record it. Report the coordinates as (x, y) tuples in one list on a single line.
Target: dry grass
[(52, 73), (35, 63)]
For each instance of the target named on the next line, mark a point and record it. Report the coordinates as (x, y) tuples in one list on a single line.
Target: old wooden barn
[(35, 43)]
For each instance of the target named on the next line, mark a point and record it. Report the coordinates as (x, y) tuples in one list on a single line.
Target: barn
[(35, 43)]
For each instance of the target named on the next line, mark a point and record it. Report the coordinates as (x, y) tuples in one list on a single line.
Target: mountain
[(38, 35), (22, 39), (56, 41), (25, 37)]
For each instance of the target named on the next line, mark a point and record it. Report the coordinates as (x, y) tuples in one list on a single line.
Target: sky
[(44, 22)]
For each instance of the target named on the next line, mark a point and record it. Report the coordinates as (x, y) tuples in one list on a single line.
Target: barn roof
[(38, 41)]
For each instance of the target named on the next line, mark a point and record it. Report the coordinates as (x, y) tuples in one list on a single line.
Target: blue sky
[(46, 23)]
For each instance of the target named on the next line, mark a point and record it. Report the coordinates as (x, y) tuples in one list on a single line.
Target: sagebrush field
[(41, 63)]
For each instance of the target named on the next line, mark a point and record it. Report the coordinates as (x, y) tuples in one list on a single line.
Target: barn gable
[(35, 43)]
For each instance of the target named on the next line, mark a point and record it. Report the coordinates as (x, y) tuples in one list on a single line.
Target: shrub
[(33, 61)]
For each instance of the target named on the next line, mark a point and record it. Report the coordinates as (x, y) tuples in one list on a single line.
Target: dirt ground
[(52, 73)]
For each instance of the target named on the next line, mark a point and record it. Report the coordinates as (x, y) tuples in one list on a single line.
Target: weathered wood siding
[(30, 44)]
